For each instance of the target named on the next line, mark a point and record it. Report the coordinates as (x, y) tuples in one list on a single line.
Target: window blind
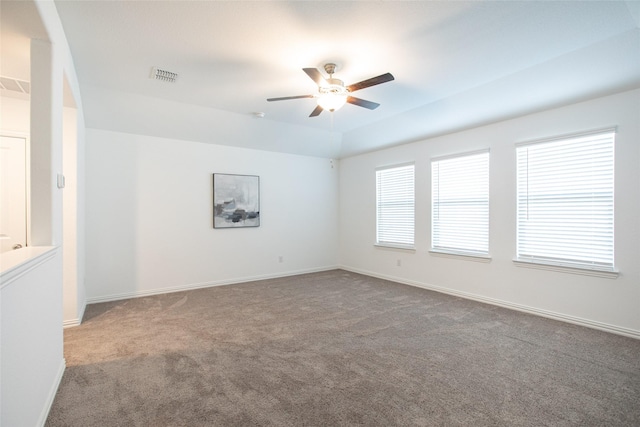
[(565, 201), (460, 204), (395, 205)]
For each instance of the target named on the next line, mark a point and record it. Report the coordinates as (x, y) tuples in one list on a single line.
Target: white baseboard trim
[(52, 393), (619, 330), (69, 323), (159, 291)]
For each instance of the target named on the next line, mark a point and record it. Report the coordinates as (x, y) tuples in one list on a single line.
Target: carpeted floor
[(338, 349)]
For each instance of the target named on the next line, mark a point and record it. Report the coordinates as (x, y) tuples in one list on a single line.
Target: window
[(395, 206), (460, 204), (565, 201)]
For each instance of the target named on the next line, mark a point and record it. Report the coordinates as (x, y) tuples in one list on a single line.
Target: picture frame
[(236, 201)]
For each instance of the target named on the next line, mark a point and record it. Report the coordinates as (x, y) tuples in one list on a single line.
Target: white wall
[(73, 226), (14, 114), (31, 331), (15, 119), (149, 215), (32, 362), (606, 303)]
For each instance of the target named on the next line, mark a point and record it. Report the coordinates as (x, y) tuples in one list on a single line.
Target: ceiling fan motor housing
[(334, 86), (330, 68)]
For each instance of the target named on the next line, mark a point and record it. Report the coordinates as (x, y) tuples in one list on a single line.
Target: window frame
[(463, 253), (395, 244), (555, 263)]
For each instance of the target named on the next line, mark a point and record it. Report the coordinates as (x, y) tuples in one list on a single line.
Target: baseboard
[(52, 394), (632, 333), (69, 323), (159, 291)]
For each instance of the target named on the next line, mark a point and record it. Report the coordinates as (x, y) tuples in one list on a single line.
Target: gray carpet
[(338, 349)]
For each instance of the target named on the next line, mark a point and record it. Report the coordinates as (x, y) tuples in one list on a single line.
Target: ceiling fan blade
[(316, 76), (362, 103), (316, 111), (289, 97), (383, 78)]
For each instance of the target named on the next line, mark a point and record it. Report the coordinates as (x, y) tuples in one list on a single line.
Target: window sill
[(395, 247), (460, 255), (608, 274)]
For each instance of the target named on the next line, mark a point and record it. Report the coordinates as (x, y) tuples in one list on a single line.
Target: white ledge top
[(12, 262)]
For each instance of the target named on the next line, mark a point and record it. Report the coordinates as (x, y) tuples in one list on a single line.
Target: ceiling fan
[(333, 94)]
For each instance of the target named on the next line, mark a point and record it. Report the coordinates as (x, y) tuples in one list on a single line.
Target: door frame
[(27, 155)]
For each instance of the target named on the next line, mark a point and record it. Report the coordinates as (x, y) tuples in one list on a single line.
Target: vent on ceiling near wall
[(7, 83), (163, 75)]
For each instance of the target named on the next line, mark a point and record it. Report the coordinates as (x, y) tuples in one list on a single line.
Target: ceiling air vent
[(163, 75), (14, 85)]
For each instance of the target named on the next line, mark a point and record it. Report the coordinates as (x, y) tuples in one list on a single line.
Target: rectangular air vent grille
[(163, 75), (8, 83)]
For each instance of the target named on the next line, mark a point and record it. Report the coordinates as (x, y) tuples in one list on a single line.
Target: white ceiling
[(456, 65)]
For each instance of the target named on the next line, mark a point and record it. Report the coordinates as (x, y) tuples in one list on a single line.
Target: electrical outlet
[(399, 263), (280, 258)]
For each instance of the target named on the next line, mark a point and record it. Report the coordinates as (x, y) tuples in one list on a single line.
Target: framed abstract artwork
[(236, 201)]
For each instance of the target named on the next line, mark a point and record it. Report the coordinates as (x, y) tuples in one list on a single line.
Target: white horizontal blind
[(395, 205), (460, 204), (565, 201)]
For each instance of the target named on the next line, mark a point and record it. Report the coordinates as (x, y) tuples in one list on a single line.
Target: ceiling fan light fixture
[(333, 96), (331, 101)]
